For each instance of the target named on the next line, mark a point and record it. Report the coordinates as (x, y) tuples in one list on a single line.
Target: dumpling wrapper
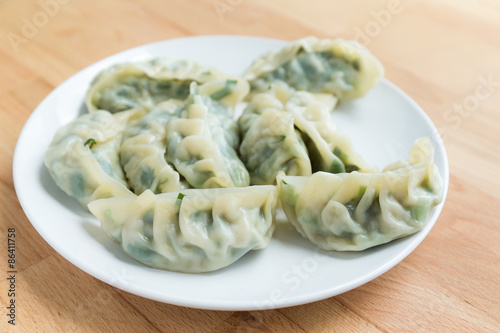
[(271, 145), (83, 156), (342, 68), (148, 83), (142, 152), (316, 139), (201, 145), (355, 211), (329, 149), (193, 230)]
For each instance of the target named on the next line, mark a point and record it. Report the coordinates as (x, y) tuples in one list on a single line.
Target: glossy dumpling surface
[(147, 83), (192, 230), (355, 211), (270, 145), (329, 149), (342, 68), (83, 157), (311, 137), (142, 152), (201, 145)]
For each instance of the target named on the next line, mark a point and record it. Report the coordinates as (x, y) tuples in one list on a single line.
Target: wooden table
[(442, 53)]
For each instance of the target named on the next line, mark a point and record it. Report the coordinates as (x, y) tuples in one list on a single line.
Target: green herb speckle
[(351, 168), (226, 90), (337, 166), (90, 142)]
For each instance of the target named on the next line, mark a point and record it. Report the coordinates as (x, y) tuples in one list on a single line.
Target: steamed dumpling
[(342, 68), (355, 211), (83, 157), (270, 145), (190, 231), (143, 150), (201, 145), (329, 149), (313, 142), (147, 83)]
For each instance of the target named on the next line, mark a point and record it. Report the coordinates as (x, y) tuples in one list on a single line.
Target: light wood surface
[(439, 52)]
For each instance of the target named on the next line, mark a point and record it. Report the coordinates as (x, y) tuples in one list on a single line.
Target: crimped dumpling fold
[(143, 149), (192, 230), (355, 211), (342, 68), (83, 156), (145, 84), (294, 134), (201, 144)]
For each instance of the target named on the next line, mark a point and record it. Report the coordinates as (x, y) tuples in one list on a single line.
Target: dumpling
[(83, 157), (342, 68), (190, 231), (147, 83), (329, 149), (355, 211), (224, 115), (201, 145), (258, 104), (270, 145), (142, 153)]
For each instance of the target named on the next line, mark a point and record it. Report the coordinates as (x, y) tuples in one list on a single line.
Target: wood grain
[(439, 52)]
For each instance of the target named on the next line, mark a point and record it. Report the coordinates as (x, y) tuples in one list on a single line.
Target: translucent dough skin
[(191, 231), (201, 143), (329, 149), (355, 211), (84, 170), (270, 145), (342, 68), (294, 134), (142, 152), (148, 83)]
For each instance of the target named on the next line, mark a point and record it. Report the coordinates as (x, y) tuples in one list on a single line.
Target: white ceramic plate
[(383, 126)]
